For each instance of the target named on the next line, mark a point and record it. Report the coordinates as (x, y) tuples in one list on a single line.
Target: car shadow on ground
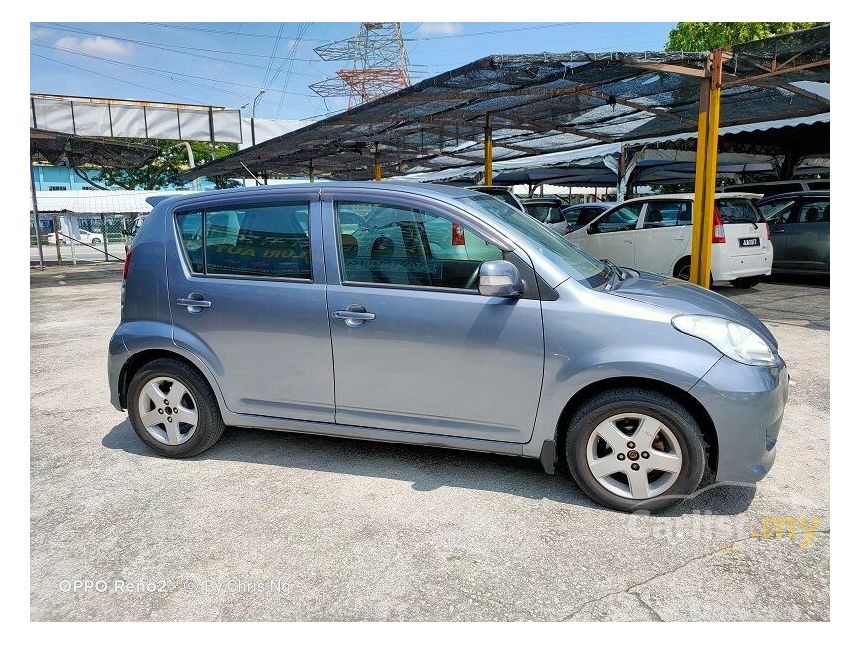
[(427, 468)]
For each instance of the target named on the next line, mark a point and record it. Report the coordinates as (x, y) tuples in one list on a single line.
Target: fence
[(79, 239)]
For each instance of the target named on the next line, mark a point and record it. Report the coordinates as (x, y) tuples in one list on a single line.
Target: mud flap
[(547, 457)]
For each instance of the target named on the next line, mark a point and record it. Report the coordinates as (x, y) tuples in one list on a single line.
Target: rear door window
[(269, 241), (664, 213)]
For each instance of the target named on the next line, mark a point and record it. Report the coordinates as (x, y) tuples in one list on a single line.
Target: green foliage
[(707, 36), (171, 159)]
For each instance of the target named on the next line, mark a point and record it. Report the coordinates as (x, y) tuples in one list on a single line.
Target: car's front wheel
[(173, 410), (635, 449)]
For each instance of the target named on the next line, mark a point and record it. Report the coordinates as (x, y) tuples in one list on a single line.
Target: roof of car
[(427, 190), (590, 205), (798, 193), (691, 196), (540, 200)]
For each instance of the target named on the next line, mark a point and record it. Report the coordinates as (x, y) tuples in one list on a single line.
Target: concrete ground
[(278, 526)]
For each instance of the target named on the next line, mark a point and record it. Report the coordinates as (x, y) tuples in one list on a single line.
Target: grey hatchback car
[(463, 323)]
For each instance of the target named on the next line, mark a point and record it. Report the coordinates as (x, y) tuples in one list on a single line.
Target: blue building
[(50, 178)]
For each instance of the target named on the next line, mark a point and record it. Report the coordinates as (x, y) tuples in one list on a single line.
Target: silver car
[(360, 310)]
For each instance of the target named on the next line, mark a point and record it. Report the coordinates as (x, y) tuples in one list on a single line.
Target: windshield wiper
[(612, 268)]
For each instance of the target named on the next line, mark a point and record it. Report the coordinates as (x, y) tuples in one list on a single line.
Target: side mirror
[(500, 279), (592, 228)]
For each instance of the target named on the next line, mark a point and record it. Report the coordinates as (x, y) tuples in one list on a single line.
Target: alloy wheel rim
[(634, 456), (167, 410)]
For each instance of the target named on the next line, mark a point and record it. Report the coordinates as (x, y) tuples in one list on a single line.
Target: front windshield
[(577, 263)]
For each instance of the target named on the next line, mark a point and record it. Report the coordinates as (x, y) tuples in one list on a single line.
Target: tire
[(746, 283), (95, 240), (208, 427), (607, 410), (682, 269)]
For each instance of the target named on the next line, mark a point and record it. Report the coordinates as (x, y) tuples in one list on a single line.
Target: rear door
[(663, 236), (247, 292), (743, 226)]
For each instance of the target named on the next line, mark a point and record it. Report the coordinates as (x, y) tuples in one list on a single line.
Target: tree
[(707, 36), (171, 159)]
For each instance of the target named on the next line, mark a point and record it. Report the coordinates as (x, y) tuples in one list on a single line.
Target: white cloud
[(440, 28), (95, 45)]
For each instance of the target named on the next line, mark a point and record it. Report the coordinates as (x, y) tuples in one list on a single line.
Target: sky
[(227, 64)]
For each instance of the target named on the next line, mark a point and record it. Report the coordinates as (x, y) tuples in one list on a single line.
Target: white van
[(654, 234)]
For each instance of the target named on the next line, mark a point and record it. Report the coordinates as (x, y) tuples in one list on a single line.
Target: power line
[(272, 56), (217, 31), (162, 73), (122, 80), (194, 50)]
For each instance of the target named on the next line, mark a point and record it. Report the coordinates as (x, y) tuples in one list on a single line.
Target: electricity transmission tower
[(379, 64)]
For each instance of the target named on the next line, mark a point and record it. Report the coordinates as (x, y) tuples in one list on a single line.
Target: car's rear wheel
[(173, 410), (746, 283), (96, 240), (635, 449)]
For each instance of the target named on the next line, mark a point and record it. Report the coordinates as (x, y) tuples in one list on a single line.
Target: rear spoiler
[(154, 200)]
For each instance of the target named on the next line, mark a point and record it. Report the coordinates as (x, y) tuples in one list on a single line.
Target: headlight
[(735, 341)]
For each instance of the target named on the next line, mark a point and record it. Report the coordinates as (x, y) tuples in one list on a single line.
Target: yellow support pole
[(706, 172), (377, 167), (488, 153)]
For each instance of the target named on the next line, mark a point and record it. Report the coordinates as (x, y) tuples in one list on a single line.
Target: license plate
[(749, 241)]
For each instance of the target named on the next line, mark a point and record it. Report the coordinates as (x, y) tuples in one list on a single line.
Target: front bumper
[(746, 404)]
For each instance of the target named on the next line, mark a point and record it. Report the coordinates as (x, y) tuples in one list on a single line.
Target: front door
[(247, 289), (416, 347)]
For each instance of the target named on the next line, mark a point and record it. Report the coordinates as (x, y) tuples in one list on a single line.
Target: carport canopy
[(539, 103)]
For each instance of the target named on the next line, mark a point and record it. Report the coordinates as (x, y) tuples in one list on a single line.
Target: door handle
[(194, 302), (353, 315), (629, 241)]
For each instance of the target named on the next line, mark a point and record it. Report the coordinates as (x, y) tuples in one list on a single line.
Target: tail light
[(766, 231), (458, 237), (126, 264), (719, 232)]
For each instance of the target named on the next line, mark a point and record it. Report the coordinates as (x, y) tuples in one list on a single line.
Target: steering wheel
[(473, 279)]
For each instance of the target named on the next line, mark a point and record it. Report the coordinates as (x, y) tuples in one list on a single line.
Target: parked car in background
[(580, 215), (547, 210), (799, 231), (500, 192), (768, 188), (87, 237), (257, 308), (655, 234)]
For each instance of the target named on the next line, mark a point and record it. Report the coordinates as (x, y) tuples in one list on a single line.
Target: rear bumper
[(729, 267), (118, 354), (746, 405)]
